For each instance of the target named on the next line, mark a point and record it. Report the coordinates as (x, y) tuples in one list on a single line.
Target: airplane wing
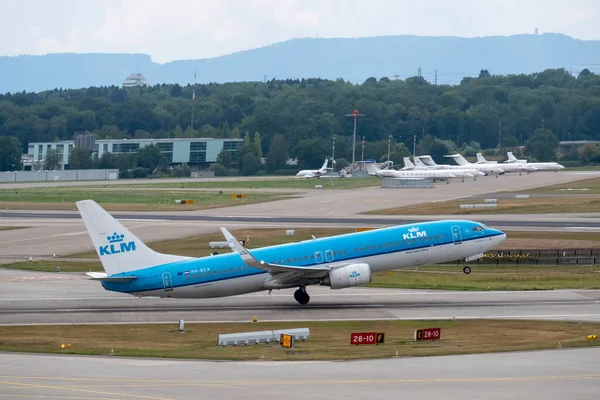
[(250, 261)]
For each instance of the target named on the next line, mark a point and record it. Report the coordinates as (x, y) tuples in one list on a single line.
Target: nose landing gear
[(301, 296), (467, 269)]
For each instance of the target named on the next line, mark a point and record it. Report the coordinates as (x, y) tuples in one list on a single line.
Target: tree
[(587, 153), (249, 164), (10, 154), (224, 158), (257, 146), (80, 159), (148, 157), (484, 73), (107, 161), (277, 155), (542, 145), (397, 153), (53, 160)]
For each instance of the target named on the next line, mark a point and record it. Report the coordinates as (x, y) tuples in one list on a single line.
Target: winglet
[(237, 247)]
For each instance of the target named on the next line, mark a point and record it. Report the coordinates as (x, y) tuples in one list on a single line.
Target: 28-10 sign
[(428, 334), (367, 338)]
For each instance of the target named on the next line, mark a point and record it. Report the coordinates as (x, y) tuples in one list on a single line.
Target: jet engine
[(348, 276)]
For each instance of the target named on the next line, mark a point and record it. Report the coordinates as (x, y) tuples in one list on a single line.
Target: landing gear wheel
[(467, 269), (301, 296)]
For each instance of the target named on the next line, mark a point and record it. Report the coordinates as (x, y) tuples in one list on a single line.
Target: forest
[(486, 112)]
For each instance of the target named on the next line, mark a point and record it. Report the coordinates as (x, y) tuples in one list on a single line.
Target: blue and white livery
[(338, 261)]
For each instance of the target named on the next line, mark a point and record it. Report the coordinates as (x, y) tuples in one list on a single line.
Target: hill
[(354, 60)]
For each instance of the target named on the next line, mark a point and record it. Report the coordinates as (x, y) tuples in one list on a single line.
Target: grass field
[(541, 205), (64, 198), (486, 277), (284, 183), (586, 186), (10, 228), (328, 340), (50, 266)]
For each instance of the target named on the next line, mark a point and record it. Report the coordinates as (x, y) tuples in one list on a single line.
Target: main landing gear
[(467, 269), (302, 296)]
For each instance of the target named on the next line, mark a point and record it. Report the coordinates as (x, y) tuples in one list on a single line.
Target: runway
[(46, 298), (542, 375)]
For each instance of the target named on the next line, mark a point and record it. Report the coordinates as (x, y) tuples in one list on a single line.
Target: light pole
[(362, 157), (389, 146), (333, 154), (499, 134), (414, 147), (355, 114)]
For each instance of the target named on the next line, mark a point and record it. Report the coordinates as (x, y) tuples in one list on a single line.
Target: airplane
[(486, 168), (339, 262), (542, 166), (313, 173), (457, 172), (436, 175), (427, 162), (509, 167)]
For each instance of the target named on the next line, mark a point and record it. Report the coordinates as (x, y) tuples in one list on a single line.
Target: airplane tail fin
[(460, 160), (419, 162), (407, 163), (511, 156), (371, 167), (325, 164), (119, 250), (481, 158)]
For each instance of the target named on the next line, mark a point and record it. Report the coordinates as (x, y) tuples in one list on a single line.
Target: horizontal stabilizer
[(101, 276)]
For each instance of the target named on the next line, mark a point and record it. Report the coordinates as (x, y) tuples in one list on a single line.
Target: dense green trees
[(10, 154), (80, 159), (309, 112), (53, 160), (542, 145)]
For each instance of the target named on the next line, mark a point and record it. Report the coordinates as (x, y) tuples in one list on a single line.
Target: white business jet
[(313, 173), (541, 166)]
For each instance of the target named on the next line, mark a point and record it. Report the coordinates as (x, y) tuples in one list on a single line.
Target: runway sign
[(238, 196), (428, 334), (359, 338), (286, 340)]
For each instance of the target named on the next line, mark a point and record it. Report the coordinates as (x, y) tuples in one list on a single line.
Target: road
[(563, 374)]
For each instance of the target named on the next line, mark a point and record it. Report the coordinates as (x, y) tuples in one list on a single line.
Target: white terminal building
[(200, 152), (135, 80)]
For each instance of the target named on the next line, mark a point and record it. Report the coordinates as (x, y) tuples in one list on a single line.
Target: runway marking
[(191, 383), (45, 396), (31, 385)]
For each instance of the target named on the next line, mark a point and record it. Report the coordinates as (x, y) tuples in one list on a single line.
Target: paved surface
[(62, 232), (34, 297), (562, 374)]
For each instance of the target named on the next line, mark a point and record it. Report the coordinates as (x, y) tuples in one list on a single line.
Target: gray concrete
[(51, 298), (561, 374)]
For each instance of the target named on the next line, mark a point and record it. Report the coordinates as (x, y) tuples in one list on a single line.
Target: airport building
[(199, 152)]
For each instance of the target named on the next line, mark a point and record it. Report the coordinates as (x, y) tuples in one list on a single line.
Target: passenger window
[(356, 249), (441, 236), (362, 249), (306, 257), (379, 245), (436, 238), (344, 251), (368, 247), (385, 245), (398, 243)]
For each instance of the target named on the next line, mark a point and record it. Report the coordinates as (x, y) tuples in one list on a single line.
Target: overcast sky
[(183, 29)]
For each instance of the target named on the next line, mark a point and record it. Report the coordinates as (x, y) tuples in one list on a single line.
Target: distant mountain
[(351, 59)]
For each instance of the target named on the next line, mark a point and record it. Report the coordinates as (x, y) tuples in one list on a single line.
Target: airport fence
[(540, 257), (62, 175)]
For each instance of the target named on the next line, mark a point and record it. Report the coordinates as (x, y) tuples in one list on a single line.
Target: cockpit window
[(478, 228)]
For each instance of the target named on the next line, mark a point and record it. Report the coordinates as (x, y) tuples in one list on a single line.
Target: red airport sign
[(428, 334), (367, 338)]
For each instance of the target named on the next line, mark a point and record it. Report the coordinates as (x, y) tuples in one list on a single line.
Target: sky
[(170, 30)]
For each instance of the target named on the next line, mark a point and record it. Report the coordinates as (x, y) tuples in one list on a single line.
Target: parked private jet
[(428, 162), (542, 166), (313, 173), (457, 172), (338, 261), (436, 175), (491, 167)]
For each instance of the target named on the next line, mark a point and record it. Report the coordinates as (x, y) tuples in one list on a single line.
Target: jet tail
[(459, 159), (407, 163), (119, 250), (481, 158), (371, 167), (511, 156), (324, 167)]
